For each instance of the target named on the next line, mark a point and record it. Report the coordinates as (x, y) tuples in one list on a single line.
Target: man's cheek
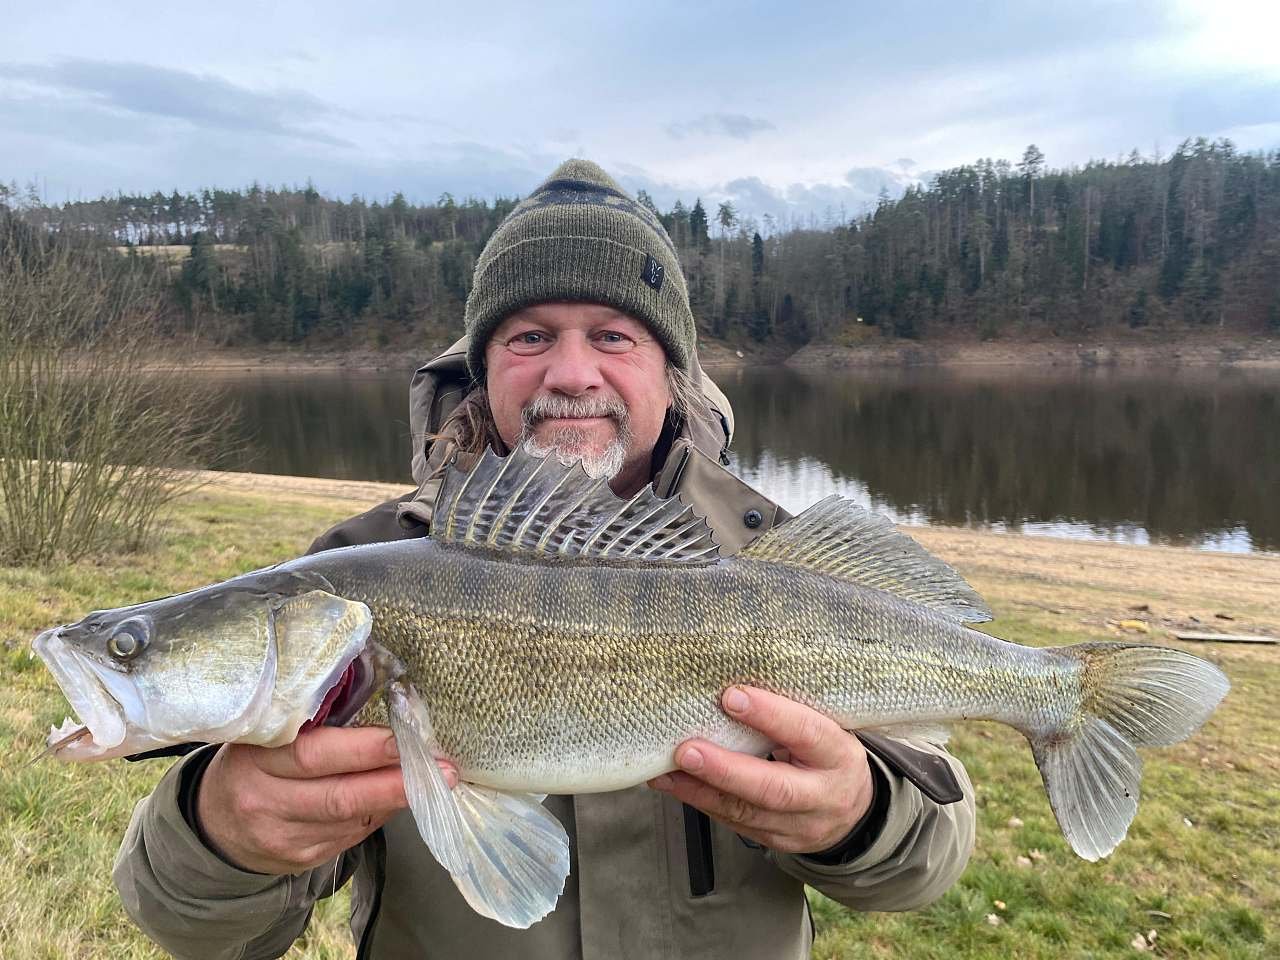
[(506, 417)]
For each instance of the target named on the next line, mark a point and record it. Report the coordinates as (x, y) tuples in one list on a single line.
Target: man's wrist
[(188, 801), (189, 789), (864, 833)]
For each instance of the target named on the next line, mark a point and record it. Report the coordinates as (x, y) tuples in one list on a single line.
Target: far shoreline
[(1129, 350)]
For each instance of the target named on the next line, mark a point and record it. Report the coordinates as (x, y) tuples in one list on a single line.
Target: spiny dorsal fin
[(841, 539), (528, 504)]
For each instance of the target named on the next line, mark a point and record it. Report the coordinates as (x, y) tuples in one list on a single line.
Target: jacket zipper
[(379, 844), (698, 850)]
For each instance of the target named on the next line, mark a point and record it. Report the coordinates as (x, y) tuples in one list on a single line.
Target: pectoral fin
[(507, 854)]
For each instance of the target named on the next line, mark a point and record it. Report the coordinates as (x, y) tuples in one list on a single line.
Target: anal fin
[(506, 853)]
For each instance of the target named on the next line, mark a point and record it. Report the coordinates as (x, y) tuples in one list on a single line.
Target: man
[(582, 345)]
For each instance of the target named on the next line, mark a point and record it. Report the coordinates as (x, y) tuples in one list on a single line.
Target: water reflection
[(1176, 457), (1179, 456), (324, 424)]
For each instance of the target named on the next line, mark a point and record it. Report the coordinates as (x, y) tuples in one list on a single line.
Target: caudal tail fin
[(1132, 696)]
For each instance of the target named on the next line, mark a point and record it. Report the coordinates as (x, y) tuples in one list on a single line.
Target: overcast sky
[(786, 108)]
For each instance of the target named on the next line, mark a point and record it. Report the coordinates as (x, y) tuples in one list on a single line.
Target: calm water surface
[(1187, 457)]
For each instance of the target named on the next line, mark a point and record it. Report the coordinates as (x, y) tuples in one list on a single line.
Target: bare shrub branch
[(99, 421)]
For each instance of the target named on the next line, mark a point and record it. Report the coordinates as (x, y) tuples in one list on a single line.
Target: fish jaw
[(97, 709)]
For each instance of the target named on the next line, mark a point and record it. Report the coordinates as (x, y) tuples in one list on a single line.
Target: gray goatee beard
[(570, 444)]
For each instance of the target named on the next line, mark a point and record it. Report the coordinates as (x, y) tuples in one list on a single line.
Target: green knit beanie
[(578, 237)]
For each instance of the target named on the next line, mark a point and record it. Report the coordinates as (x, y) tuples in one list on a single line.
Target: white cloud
[(1240, 35), (736, 125)]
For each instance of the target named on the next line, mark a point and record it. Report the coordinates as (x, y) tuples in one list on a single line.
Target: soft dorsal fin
[(528, 504), (841, 539)]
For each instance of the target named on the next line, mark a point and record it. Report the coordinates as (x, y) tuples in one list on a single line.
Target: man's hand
[(287, 809), (806, 800)]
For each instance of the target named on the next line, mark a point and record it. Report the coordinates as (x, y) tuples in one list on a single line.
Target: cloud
[(794, 203), (871, 180), (736, 125), (858, 192), (202, 100), (1239, 102)]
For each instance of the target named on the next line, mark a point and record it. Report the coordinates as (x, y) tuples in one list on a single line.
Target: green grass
[(1210, 889)]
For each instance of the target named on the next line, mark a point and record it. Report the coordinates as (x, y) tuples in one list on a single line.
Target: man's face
[(582, 380)]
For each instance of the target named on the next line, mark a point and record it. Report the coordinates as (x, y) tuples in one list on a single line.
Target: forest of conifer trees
[(1189, 240)]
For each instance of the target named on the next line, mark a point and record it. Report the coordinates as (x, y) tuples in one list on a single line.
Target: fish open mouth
[(95, 709)]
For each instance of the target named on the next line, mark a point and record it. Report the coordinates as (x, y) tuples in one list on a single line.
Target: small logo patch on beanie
[(653, 272)]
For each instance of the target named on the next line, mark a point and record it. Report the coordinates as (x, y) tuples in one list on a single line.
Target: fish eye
[(128, 640)]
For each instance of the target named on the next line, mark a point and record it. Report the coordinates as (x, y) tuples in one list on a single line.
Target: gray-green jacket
[(650, 878)]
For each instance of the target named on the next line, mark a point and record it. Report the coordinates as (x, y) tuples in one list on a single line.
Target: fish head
[(248, 660)]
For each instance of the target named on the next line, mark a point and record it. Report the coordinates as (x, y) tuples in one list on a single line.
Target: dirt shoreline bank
[(1102, 585), (1121, 350), (1138, 349)]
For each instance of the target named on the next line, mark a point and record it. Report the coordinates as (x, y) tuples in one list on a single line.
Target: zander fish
[(551, 638)]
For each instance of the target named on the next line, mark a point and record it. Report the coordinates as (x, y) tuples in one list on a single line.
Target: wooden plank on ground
[(1225, 638)]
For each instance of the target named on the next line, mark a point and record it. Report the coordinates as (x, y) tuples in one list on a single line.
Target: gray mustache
[(551, 406)]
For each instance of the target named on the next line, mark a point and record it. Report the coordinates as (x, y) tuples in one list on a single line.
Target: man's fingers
[(811, 738), (732, 810), (353, 797), (761, 783), (325, 751)]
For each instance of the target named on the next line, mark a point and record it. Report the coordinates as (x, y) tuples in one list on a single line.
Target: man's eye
[(529, 343), (614, 341)]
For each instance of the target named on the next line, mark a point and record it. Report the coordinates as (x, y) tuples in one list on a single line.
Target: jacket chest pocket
[(717, 863)]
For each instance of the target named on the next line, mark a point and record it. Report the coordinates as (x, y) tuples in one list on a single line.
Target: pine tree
[(698, 232)]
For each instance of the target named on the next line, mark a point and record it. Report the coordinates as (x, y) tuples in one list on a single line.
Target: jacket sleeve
[(921, 850), (194, 904)]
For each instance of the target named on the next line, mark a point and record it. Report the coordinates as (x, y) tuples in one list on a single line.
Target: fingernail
[(691, 759), (735, 701), (661, 783), (392, 748)]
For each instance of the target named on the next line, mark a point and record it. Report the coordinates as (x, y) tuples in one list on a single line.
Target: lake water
[(1187, 456)]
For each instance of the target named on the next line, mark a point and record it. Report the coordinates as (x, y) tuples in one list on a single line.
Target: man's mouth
[(572, 411), (573, 421)]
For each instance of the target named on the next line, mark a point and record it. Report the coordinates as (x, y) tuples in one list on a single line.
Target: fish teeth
[(69, 725)]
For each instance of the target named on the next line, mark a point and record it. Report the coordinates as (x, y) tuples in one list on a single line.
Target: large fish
[(550, 638)]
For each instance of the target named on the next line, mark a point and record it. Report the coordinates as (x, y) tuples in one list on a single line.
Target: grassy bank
[(1200, 867)]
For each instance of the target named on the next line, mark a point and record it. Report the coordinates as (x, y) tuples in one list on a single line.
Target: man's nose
[(573, 366)]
